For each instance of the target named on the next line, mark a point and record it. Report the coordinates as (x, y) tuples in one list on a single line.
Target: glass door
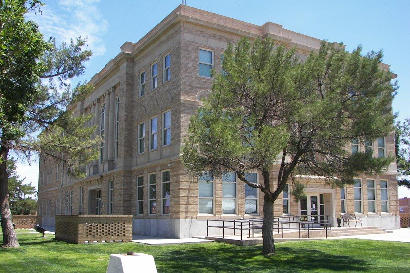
[(314, 209)]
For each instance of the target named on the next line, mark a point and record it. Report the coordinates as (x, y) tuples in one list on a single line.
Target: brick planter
[(25, 221), (80, 229)]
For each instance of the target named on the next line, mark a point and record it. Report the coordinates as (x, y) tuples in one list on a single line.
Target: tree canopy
[(34, 96), (403, 151), (271, 106)]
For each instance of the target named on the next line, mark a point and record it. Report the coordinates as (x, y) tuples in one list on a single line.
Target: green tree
[(268, 108), (34, 97), (403, 152)]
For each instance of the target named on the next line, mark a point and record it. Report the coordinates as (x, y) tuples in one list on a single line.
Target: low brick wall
[(80, 229), (404, 220), (25, 221)]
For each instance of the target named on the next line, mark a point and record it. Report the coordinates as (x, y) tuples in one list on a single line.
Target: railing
[(279, 224)]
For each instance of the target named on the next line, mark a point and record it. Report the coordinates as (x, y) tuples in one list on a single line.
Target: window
[(368, 145), (166, 128), (286, 199), (116, 125), (80, 209), (110, 196), (380, 147), (357, 195), (166, 192), (167, 68), (142, 84), (140, 195), (384, 196), (251, 194), (229, 193), (102, 128), (205, 63), (343, 200), (152, 193), (154, 134), (141, 138), (154, 74), (355, 146), (206, 193), (71, 203), (371, 196)]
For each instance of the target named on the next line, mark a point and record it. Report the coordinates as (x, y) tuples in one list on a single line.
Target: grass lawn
[(46, 255)]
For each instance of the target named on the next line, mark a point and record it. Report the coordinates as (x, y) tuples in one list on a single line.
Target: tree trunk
[(267, 227), (9, 235)]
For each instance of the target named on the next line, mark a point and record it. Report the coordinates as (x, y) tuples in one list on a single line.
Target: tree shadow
[(240, 259)]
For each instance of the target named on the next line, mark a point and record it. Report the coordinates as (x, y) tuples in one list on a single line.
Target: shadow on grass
[(240, 259)]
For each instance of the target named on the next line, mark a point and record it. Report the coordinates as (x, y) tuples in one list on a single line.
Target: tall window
[(355, 146), (371, 196), (102, 128), (251, 194), (154, 134), (384, 196), (206, 193), (380, 147), (205, 63), (116, 125), (110, 196), (286, 199), (368, 144), (140, 195), (152, 193), (166, 128), (141, 138), (343, 200), (167, 68), (81, 205), (357, 195), (166, 192), (142, 84), (229, 193), (154, 75)]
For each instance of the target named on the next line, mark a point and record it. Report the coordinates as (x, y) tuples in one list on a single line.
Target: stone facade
[(164, 66)]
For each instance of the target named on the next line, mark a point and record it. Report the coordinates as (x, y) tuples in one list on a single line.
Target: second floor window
[(167, 68), (205, 63), (116, 125), (343, 200), (110, 197), (355, 146), (206, 194), (368, 145), (251, 194), (142, 84), (381, 147), (154, 75), (102, 129), (229, 193), (166, 128), (154, 134), (141, 138)]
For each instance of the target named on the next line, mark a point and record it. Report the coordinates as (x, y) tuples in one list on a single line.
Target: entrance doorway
[(94, 202), (312, 208)]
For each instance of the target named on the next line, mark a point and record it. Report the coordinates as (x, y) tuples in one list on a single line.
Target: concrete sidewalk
[(395, 235), (163, 241)]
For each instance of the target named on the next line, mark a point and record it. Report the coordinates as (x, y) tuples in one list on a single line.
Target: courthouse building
[(142, 103)]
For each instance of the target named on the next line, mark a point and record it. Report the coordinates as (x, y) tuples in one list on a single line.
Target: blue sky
[(375, 25)]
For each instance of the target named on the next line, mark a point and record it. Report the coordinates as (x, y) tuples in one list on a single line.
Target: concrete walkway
[(395, 235), (161, 241)]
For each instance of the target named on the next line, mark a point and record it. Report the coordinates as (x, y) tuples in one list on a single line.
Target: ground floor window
[(166, 192), (285, 202), (357, 195), (251, 194), (140, 195), (206, 194), (110, 196), (229, 193), (343, 200), (152, 193), (371, 196), (384, 196)]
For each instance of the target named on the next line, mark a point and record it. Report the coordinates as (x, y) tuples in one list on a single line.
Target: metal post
[(249, 231), (241, 230), (234, 227), (299, 229), (308, 230), (223, 229), (326, 230), (282, 230), (207, 225)]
